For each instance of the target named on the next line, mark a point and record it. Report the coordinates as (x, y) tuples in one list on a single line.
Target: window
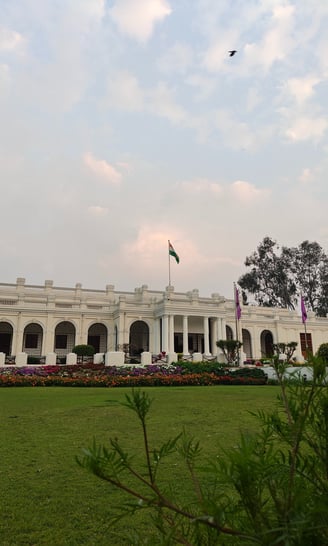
[(61, 341), (306, 344), (31, 341)]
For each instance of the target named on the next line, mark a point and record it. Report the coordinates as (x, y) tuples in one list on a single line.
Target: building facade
[(39, 320)]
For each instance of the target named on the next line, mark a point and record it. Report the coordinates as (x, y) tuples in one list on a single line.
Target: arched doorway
[(32, 339), (97, 337), (64, 338), (247, 343), (266, 343), (139, 338), (6, 338), (229, 332)]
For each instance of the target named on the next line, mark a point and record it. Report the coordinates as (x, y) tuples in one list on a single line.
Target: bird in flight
[(233, 52)]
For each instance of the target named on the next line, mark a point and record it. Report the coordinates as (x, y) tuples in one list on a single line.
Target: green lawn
[(46, 498)]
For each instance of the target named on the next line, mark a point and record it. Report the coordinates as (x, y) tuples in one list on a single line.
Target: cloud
[(306, 176), (163, 104), (237, 134), (216, 57), (177, 58), (124, 92), (253, 99), (5, 79), (204, 86), (10, 40), (97, 210), (301, 89), (103, 169), (93, 8), (202, 186), (248, 193), (277, 41), (137, 18), (307, 128)]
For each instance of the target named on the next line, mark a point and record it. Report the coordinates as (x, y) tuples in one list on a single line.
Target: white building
[(39, 320)]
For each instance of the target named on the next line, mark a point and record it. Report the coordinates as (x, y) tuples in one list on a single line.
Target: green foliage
[(33, 359), (248, 372), (269, 278), (310, 267), (270, 489), (287, 349), (230, 349), (83, 350), (201, 367), (323, 352), (278, 276)]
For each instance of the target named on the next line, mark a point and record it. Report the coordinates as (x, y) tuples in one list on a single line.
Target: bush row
[(156, 379)]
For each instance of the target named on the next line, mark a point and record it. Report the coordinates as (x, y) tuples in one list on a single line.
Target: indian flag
[(173, 253)]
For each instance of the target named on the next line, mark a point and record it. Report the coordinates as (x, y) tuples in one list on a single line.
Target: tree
[(83, 350), (278, 280), (230, 349), (269, 279), (310, 265), (287, 349), (270, 489)]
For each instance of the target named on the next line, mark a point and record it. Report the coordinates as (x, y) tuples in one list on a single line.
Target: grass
[(46, 498)]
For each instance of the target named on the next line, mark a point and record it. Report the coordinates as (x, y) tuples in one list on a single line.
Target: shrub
[(230, 348), (323, 352), (201, 367), (248, 372), (33, 359), (83, 350), (287, 349)]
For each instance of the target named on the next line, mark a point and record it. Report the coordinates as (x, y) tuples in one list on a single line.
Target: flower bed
[(98, 375)]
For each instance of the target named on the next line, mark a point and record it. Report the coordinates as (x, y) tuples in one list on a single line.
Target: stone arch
[(64, 338), (32, 339), (6, 337), (266, 343), (97, 337), (229, 332), (139, 337), (247, 343)]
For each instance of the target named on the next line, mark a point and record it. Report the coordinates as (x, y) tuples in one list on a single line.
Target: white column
[(206, 337), (19, 337), (165, 334), (120, 330), (82, 335), (214, 334), (156, 338), (256, 341), (171, 334), (223, 329), (48, 341), (185, 336)]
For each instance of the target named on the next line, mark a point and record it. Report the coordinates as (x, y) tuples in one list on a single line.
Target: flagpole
[(304, 319), (236, 321), (169, 263), (306, 344)]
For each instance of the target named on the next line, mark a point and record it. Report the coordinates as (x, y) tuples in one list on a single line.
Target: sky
[(125, 124)]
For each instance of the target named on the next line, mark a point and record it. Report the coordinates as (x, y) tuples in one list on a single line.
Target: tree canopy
[(278, 276)]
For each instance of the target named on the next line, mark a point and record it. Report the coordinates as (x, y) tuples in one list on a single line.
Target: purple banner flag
[(238, 308), (303, 309)]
